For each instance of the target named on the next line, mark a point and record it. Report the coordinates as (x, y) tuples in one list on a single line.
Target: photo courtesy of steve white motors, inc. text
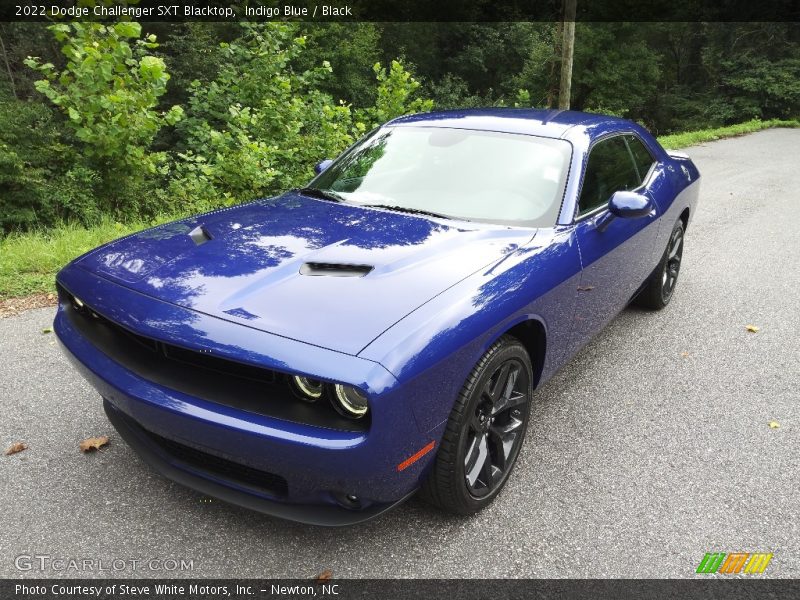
[(73, 590)]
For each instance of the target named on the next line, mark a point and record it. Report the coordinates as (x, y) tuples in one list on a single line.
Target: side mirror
[(322, 165), (629, 205)]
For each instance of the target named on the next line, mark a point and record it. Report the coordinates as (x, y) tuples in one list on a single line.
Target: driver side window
[(608, 170)]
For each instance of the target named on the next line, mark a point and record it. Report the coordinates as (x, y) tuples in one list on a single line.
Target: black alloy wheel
[(672, 265), (485, 431), (660, 286), (495, 429)]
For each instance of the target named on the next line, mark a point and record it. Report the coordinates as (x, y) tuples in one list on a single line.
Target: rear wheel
[(485, 431), (659, 288)]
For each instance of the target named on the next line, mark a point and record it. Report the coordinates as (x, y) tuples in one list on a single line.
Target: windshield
[(485, 176)]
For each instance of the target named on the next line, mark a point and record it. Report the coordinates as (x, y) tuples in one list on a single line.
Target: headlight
[(308, 389), (349, 401)]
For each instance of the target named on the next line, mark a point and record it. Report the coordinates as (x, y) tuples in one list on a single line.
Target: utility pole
[(567, 51)]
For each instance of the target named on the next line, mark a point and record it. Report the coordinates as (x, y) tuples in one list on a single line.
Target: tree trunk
[(552, 89), (567, 51), (8, 67)]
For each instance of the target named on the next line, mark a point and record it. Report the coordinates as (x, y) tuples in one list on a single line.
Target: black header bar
[(402, 10)]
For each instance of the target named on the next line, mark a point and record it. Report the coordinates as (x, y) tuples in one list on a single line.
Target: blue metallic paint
[(630, 205), (408, 334)]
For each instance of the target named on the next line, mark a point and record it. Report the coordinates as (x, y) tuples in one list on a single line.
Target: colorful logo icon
[(735, 562)]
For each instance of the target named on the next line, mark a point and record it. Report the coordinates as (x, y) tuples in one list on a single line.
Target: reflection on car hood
[(249, 271)]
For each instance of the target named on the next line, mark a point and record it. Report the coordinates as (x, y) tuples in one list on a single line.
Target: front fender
[(432, 350)]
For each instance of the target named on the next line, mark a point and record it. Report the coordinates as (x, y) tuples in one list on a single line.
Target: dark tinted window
[(641, 156), (610, 169)]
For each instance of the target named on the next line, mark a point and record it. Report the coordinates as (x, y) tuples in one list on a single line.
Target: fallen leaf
[(326, 575), (684, 354), (751, 328), (93, 443), (14, 306), (16, 447), (774, 425), (47, 330)]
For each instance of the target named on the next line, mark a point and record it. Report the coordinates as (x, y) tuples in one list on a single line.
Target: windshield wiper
[(318, 193), (406, 209)]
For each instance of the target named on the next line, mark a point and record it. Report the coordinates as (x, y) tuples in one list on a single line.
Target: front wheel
[(485, 431), (661, 284)]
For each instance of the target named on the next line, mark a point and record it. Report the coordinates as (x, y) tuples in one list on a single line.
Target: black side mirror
[(322, 165)]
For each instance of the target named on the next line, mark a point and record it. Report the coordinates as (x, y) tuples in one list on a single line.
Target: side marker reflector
[(415, 457)]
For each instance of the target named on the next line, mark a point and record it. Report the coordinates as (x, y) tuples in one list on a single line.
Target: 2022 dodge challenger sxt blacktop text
[(324, 354)]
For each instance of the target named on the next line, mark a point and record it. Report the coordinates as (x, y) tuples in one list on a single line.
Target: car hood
[(297, 267)]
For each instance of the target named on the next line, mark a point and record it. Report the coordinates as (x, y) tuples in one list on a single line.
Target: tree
[(567, 49), (109, 91)]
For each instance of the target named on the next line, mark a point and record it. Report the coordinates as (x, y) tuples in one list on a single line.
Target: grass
[(29, 261), (692, 138)]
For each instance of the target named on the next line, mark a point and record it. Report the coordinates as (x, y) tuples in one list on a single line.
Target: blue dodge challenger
[(324, 354)]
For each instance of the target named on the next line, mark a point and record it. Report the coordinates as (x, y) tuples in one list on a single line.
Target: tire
[(484, 432), (660, 286)]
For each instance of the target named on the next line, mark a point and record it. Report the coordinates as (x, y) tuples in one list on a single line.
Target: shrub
[(108, 92), (262, 123)]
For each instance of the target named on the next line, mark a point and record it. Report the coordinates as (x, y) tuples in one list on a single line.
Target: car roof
[(530, 121)]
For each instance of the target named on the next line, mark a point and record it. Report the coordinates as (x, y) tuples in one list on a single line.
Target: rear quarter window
[(641, 156)]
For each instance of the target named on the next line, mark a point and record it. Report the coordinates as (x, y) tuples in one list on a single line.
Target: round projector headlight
[(349, 401), (308, 389)]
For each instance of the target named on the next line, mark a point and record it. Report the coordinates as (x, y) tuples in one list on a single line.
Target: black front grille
[(243, 386), (192, 358), (227, 469)]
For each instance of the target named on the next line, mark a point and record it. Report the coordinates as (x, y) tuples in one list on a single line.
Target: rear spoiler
[(678, 154)]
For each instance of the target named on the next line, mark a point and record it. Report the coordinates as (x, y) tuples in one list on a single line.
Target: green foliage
[(109, 90), (611, 58), (763, 89), (36, 184), (30, 260), (683, 140), (263, 122), (260, 125), (397, 89), (523, 99), (357, 48)]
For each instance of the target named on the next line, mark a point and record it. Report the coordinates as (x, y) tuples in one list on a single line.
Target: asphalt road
[(640, 457)]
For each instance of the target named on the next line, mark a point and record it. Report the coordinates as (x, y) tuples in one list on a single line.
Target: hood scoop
[(320, 269), (200, 235)]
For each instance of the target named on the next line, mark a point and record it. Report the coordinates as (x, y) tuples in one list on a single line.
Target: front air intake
[(334, 269)]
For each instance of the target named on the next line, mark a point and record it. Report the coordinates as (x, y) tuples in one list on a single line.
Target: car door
[(615, 251)]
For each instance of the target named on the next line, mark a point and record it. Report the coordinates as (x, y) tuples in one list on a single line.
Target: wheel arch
[(532, 334), (685, 218)]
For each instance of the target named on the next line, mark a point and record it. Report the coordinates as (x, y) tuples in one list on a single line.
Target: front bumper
[(322, 514), (315, 468)]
